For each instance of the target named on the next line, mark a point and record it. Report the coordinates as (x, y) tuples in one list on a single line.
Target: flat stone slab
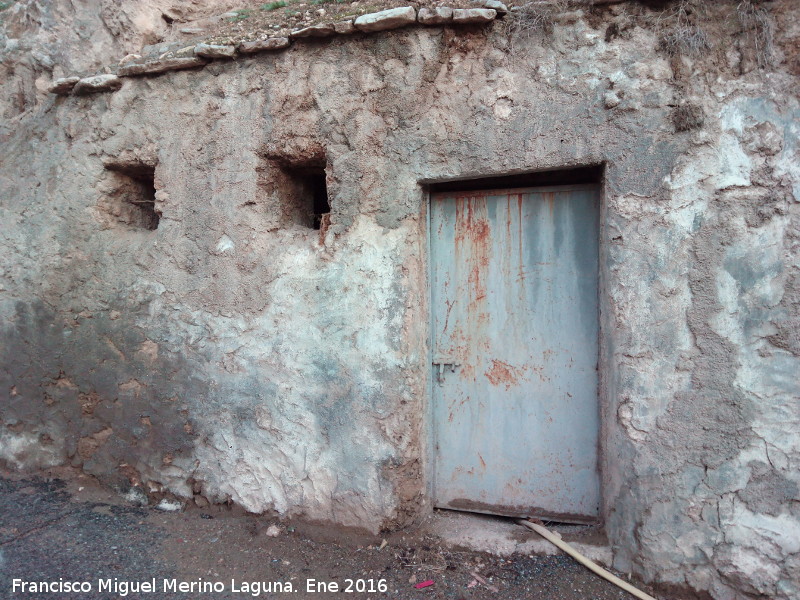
[(183, 52), (63, 85), (501, 8), (474, 15), (483, 533), (96, 84), (324, 30), (164, 50), (435, 16), (161, 65), (214, 51), (129, 58), (276, 43), (386, 19), (344, 27)]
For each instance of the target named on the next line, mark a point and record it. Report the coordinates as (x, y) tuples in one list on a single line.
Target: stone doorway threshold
[(502, 536)]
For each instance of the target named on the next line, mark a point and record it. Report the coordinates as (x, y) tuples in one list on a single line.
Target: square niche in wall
[(294, 187), (132, 198), (306, 195)]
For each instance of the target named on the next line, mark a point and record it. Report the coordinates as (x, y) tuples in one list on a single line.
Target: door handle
[(443, 363)]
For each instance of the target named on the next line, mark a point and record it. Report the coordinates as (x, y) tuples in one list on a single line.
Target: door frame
[(603, 300)]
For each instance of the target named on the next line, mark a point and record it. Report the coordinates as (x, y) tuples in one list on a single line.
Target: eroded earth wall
[(234, 353)]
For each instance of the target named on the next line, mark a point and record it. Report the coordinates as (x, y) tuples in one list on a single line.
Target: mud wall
[(234, 353)]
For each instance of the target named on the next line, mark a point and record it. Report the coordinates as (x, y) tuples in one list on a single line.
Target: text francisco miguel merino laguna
[(252, 588)]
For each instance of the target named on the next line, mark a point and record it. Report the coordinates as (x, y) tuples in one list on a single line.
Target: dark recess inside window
[(310, 195), (319, 189), (136, 193)]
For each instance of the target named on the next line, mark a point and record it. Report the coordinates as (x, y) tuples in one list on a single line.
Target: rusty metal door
[(514, 277)]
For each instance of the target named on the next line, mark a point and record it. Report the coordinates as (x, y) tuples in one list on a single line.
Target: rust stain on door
[(502, 373)]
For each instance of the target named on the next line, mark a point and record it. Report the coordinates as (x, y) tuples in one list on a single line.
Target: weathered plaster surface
[(234, 354)]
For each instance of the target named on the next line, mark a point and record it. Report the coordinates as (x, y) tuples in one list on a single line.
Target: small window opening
[(134, 195), (310, 203)]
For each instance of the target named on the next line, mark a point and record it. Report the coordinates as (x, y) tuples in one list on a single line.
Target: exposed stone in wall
[(97, 84), (214, 51), (63, 85), (236, 353), (270, 44)]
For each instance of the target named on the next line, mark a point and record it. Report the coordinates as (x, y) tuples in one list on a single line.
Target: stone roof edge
[(180, 55)]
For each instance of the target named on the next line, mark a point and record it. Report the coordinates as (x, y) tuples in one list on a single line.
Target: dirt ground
[(53, 526)]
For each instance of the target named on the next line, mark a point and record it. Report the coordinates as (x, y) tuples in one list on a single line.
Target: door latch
[(443, 363)]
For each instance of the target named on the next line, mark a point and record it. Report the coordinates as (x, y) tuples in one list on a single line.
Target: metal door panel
[(514, 279)]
